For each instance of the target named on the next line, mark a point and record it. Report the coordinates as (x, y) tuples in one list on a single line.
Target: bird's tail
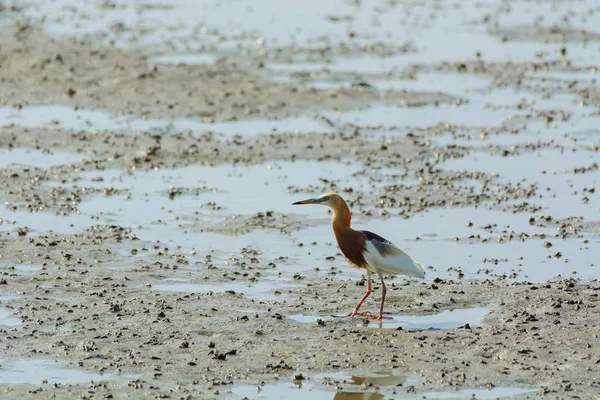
[(422, 272)]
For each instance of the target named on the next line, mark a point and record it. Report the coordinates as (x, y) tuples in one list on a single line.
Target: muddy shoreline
[(148, 248), (111, 320)]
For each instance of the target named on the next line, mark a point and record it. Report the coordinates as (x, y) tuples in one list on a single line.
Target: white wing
[(389, 259)]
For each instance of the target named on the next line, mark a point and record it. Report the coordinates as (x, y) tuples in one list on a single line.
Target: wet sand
[(148, 243)]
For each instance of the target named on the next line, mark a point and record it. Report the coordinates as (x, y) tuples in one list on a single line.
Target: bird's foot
[(382, 317), (367, 314), (355, 312)]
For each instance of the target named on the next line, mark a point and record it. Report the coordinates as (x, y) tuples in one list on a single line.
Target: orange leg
[(368, 292), (383, 292)]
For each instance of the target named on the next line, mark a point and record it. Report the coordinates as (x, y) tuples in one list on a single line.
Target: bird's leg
[(383, 292), (367, 293)]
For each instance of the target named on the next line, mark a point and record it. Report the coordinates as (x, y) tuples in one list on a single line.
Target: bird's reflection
[(379, 379), (357, 396)]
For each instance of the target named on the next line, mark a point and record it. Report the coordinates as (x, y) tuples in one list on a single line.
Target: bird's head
[(330, 199)]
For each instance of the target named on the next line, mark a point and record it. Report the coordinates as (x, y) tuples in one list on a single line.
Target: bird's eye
[(326, 198)]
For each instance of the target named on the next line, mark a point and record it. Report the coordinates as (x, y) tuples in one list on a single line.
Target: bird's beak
[(309, 201)]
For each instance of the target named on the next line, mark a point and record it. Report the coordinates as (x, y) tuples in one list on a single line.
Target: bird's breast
[(353, 245)]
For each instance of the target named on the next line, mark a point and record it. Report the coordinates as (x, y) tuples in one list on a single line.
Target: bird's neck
[(351, 242), (341, 218)]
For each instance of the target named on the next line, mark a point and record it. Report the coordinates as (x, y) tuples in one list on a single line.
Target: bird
[(366, 250)]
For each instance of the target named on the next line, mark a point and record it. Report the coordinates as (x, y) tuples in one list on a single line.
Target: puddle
[(528, 261), (444, 320), (453, 84), (527, 165), (208, 194), (307, 319), (33, 158), (262, 290), (485, 108), (20, 267), (494, 393), (309, 75), (370, 386), (431, 27), (259, 126), (551, 170), (337, 385), (444, 243), (552, 14), (35, 371), (349, 65), (378, 379), (419, 117), (581, 130), (41, 222), (68, 118), (182, 58), (191, 220), (565, 76), (218, 190), (7, 318), (324, 76), (438, 225)]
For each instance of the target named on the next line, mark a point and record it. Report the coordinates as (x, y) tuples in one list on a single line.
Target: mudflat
[(149, 159)]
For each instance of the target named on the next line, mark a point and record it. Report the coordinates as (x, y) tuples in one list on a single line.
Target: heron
[(366, 250)]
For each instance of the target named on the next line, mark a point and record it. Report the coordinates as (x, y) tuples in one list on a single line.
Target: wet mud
[(149, 249)]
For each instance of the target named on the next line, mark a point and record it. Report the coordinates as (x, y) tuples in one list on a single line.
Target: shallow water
[(365, 386), (39, 222), (419, 117), (183, 58), (454, 84), (33, 158), (564, 76), (69, 118), (214, 193), (7, 318), (308, 319), (485, 108), (449, 223), (336, 385), (429, 26), (262, 290), (25, 268), (552, 170), (190, 221), (528, 261), (533, 166), (35, 371), (444, 242), (240, 189), (443, 320), (326, 76), (494, 393)]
